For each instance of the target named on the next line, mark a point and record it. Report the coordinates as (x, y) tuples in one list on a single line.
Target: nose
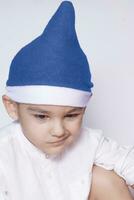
[(58, 129)]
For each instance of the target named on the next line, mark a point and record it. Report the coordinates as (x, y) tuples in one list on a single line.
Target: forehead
[(50, 108)]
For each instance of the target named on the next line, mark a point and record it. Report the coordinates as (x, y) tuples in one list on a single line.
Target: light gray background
[(105, 31)]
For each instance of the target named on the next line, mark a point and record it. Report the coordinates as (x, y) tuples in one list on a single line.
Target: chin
[(54, 152)]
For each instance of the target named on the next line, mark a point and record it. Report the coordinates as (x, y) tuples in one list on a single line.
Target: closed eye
[(72, 115), (40, 116)]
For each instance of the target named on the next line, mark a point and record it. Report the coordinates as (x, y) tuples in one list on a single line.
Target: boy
[(46, 153)]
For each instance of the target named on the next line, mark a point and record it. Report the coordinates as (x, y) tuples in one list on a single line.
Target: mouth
[(59, 141)]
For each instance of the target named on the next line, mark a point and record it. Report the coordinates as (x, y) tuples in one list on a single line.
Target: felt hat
[(52, 69)]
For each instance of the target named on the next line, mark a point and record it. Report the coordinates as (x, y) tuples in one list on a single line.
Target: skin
[(107, 185), (44, 129)]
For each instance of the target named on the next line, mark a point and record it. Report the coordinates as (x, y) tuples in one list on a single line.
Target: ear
[(11, 107)]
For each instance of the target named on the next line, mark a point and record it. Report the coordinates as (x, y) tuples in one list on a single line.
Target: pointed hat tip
[(66, 3)]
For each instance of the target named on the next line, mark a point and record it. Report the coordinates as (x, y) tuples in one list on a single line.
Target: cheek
[(74, 127), (35, 131), (34, 134), (28, 126)]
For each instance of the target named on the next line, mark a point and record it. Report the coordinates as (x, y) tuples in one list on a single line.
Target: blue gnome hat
[(52, 69)]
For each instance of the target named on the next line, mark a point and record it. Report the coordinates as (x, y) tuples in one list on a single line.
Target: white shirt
[(26, 174)]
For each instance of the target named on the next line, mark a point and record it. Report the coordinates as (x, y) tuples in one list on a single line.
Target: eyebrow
[(48, 112)]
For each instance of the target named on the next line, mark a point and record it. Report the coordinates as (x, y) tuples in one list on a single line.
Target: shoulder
[(5, 130), (88, 139), (7, 141), (92, 135), (7, 135), (88, 143), (86, 146), (8, 131)]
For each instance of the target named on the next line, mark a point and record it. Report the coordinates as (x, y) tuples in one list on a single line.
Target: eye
[(40, 116), (72, 115)]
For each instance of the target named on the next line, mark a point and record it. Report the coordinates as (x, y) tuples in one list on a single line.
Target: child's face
[(50, 128)]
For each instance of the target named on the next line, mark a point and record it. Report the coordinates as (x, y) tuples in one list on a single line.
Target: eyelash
[(45, 116), (40, 116)]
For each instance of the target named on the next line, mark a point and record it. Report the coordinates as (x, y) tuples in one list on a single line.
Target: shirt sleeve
[(111, 156)]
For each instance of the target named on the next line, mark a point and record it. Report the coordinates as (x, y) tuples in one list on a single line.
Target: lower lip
[(58, 143)]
